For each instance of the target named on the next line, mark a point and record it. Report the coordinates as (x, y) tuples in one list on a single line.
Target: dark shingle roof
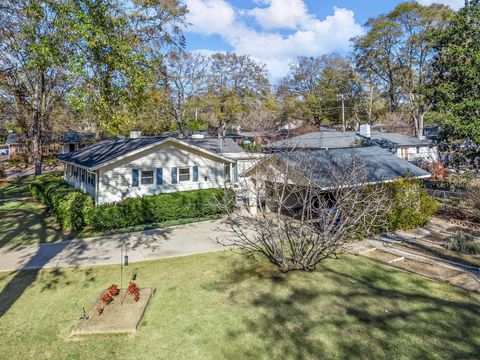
[(380, 165), (105, 151), (76, 137), (12, 139), (213, 144), (317, 140), (396, 139)]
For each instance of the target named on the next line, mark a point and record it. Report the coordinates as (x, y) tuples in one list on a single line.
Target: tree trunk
[(37, 125)]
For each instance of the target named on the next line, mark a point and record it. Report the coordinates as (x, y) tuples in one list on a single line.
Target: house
[(113, 170), (71, 141), (14, 146), (317, 141), (405, 147), (377, 164), (53, 143)]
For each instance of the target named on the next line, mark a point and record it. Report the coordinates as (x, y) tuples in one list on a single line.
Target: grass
[(24, 222), (15, 189), (225, 306)]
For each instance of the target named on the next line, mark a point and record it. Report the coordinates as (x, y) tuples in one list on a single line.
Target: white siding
[(414, 153), (115, 181)]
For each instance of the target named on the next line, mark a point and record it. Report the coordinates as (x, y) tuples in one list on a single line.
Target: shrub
[(67, 205), (411, 205), (156, 208), (463, 243)]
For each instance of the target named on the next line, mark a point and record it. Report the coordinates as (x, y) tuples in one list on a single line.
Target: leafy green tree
[(397, 51), (34, 61), (315, 85), (455, 85), (118, 46)]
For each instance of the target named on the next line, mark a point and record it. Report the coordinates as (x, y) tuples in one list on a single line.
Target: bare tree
[(305, 206), (185, 79)]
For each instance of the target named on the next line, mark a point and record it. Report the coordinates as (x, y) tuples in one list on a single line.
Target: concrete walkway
[(180, 240)]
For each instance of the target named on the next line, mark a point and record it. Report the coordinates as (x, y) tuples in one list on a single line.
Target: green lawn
[(222, 306), (24, 222)]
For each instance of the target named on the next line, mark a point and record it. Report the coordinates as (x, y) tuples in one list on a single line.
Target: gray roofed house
[(112, 170), (318, 140), (388, 138), (406, 147), (379, 164)]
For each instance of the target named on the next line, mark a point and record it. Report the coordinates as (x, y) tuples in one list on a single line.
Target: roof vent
[(365, 130), (198, 136), (135, 134)]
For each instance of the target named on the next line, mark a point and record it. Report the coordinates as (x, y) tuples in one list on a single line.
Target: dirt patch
[(379, 255), (116, 317), (429, 270)]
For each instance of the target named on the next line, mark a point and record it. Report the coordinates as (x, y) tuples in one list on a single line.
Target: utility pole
[(343, 113)]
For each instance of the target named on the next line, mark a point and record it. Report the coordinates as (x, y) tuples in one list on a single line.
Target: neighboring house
[(53, 143), (404, 146), (72, 141), (113, 170), (379, 166), (317, 141), (14, 146)]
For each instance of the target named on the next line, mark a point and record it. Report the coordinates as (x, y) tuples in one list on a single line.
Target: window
[(84, 173), (75, 172), (147, 177), (184, 174), (91, 178)]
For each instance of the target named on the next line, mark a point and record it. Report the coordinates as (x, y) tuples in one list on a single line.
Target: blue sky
[(275, 32)]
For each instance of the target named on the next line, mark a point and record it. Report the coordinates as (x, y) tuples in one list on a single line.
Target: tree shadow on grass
[(376, 313)]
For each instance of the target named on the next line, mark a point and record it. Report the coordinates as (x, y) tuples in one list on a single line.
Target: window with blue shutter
[(159, 176), (195, 173), (174, 175), (135, 177)]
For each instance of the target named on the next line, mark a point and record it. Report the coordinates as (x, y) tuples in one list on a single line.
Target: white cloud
[(454, 4), (281, 14), (307, 35), (209, 16)]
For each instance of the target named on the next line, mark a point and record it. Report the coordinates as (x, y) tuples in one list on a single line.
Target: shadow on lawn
[(369, 314), (77, 252)]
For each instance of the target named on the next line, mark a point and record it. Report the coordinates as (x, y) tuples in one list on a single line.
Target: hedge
[(157, 208), (68, 205), (75, 209)]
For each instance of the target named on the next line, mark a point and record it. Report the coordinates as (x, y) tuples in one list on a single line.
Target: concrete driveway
[(190, 239)]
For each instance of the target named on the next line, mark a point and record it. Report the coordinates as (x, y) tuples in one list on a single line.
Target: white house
[(113, 170), (406, 147)]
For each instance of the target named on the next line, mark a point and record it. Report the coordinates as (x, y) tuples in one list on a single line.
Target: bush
[(157, 208), (67, 205), (463, 243), (412, 206)]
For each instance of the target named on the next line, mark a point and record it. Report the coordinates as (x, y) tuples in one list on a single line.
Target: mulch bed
[(116, 317)]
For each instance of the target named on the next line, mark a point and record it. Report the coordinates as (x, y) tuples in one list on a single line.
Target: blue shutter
[(159, 176), (195, 173), (174, 175), (135, 177)]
